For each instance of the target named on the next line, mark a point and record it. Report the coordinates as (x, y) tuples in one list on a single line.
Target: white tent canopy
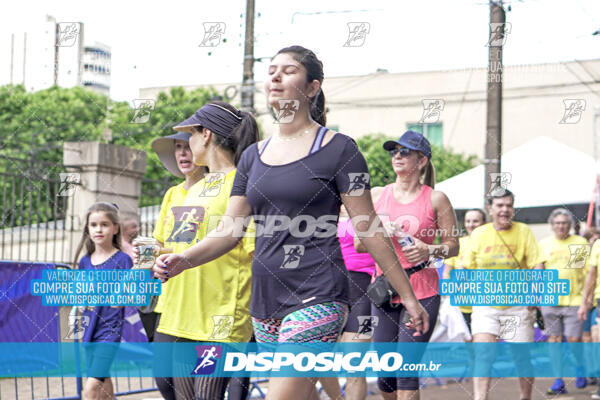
[(543, 172)]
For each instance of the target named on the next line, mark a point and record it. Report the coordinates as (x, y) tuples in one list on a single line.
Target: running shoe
[(558, 387), (596, 395), (580, 382)]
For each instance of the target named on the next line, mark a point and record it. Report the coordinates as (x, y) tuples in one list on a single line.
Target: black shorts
[(360, 305)]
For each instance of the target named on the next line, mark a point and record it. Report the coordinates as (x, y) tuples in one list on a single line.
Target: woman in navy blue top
[(293, 185)]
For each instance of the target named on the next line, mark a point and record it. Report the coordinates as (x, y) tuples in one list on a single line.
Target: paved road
[(502, 389)]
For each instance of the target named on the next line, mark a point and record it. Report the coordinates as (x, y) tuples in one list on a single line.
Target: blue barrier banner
[(109, 287), (22, 317), (504, 287), (308, 360)]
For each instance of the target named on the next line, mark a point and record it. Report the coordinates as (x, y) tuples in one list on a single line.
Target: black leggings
[(186, 388), (391, 329)]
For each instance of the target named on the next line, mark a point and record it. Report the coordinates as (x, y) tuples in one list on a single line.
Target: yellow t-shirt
[(594, 261), (174, 197), (461, 261), (562, 256), (210, 302), (487, 251)]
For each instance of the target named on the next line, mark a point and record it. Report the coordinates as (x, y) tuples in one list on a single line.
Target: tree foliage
[(35, 125)]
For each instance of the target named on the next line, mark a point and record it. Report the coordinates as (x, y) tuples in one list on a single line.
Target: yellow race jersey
[(209, 302), (461, 261), (567, 257), (488, 248), (174, 197)]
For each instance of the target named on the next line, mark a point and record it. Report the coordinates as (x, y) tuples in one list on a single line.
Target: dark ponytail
[(314, 71), (317, 109), (242, 136)]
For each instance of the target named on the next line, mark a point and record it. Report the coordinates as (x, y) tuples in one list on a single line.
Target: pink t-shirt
[(357, 262), (418, 220)]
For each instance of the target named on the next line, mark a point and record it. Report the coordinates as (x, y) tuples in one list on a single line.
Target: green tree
[(446, 162), (33, 128)]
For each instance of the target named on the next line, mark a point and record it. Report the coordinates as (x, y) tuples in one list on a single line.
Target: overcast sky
[(156, 43)]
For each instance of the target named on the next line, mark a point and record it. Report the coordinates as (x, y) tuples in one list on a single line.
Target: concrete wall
[(383, 102)]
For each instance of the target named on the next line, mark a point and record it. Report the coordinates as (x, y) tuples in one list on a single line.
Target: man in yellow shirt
[(563, 252), (591, 291), (473, 219), (502, 244)]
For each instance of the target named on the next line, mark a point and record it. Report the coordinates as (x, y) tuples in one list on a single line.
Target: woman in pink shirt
[(359, 325), (412, 208)]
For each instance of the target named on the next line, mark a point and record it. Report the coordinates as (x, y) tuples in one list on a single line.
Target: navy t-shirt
[(104, 323), (301, 265)]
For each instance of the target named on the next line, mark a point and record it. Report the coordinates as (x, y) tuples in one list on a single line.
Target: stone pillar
[(106, 173)]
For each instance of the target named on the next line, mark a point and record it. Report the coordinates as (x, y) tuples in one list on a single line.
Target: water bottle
[(404, 240)]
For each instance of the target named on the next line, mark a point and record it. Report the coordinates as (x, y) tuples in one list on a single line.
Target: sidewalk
[(501, 389)]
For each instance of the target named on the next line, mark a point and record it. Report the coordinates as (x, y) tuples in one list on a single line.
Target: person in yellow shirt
[(473, 219), (503, 244), (560, 253), (211, 303), (591, 291), (175, 154)]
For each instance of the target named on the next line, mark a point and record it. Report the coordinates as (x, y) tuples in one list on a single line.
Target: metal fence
[(35, 224)]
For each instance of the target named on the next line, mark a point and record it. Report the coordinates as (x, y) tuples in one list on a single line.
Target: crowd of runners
[(238, 264)]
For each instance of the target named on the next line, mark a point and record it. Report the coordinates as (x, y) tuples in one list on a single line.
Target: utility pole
[(24, 57), (12, 56), (248, 75), (493, 144), (56, 48)]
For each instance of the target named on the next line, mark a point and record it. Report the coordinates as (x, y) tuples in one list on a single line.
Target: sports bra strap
[(318, 140), (264, 146)]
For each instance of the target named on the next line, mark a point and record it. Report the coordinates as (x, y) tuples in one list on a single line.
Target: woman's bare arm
[(447, 226), (224, 238), (375, 195)]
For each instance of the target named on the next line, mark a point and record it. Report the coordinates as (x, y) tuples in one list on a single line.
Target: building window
[(433, 132)]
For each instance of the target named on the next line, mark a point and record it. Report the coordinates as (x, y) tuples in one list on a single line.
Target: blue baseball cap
[(411, 140)]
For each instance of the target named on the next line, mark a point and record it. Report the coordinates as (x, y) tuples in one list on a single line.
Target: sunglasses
[(403, 152)]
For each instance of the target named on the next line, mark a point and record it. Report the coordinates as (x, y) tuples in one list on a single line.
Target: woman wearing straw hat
[(175, 154)]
